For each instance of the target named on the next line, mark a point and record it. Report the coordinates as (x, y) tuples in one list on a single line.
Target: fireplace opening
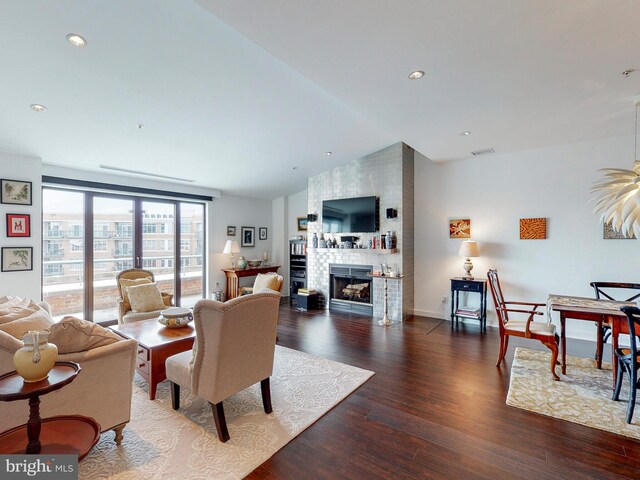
[(351, 289)]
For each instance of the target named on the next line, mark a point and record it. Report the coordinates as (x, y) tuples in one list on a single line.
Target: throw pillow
[(14, 308), (131, 282), (145, 298), (73, 335), (37, 321), (266, 280)]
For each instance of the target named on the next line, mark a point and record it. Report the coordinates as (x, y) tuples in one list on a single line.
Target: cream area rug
[(160, 443), (581, 396)]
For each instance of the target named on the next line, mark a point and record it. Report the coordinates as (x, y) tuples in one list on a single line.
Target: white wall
[(236, 211), (495, 192), (23, 284)]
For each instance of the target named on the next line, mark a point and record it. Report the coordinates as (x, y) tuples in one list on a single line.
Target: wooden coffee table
[(63, 434), (155, 344)]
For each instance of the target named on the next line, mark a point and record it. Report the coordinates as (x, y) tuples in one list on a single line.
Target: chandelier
[(617, 195)]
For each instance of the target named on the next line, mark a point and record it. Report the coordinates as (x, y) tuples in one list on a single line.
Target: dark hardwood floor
[(435, 408)]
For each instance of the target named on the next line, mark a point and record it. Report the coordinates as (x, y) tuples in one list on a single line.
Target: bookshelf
[(297, 268)]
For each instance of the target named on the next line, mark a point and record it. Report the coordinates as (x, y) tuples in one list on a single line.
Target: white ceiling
[(236, 94)]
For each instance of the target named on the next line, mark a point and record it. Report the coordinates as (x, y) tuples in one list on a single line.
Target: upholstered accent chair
[(272, 281), (629, 361), (135, 277), (543, 332), (234, 349)]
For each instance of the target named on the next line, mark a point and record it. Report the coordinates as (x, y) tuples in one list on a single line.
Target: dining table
[(593, 310)]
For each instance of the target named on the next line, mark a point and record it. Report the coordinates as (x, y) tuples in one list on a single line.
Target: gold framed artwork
[(459, 228), (302, 224), (533, 229)]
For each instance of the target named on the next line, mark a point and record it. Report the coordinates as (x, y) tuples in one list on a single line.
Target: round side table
[(73, 434)]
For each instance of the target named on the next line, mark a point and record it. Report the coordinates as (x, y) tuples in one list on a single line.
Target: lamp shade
[(468, 248), (231, 247)]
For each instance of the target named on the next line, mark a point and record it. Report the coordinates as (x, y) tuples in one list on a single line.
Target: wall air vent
[(484, 151)]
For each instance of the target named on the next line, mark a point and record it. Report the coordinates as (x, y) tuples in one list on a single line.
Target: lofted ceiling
[(236, 93)]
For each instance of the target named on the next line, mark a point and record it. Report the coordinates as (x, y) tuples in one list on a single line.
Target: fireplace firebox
[(350, 289)]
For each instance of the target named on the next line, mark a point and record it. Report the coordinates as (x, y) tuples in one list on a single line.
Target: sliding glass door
[(90, 235)]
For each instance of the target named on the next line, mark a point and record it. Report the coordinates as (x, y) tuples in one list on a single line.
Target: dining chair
[(629, 360), (543, 332), (604, 327)]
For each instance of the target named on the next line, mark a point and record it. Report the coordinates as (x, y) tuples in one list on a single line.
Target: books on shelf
[(307, 291)]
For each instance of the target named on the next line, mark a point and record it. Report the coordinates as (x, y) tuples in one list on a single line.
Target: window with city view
[(127, 231)]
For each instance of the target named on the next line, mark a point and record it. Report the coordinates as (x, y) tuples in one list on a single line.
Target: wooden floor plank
[(434, 409)]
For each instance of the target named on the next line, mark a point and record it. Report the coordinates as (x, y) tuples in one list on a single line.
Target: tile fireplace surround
[(387, 174)]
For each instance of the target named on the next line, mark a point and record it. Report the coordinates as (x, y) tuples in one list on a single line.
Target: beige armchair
[(102, 390), (234, 349), (272, 281), (136, 276)]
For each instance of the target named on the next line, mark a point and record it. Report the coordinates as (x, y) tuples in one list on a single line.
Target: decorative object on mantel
[(322, 243), (231, 231), (468, 249), (15, 192), (533, 229), (618, 194), (460, 228), (36, 358), (314, 240), (231, 247), (248, 236)]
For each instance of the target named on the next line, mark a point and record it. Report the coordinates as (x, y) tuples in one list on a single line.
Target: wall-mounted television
[(350, 215)]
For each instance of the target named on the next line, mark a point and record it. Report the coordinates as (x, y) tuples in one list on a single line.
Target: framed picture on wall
[(15, 192), (302, 224), (231, 231), (17, 259), (262, 233), (248, 236), (18, 225)]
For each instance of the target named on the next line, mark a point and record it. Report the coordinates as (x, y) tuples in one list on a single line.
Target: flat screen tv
[(350, 215)]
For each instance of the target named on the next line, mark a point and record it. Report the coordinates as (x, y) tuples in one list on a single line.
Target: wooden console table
[(233, 275)]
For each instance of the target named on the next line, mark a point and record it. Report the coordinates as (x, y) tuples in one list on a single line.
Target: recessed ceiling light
[(36, 107), (416, 75), (465, 133), (140, 126), (328, 154), (628, 72), (76, 40), (294, 168)]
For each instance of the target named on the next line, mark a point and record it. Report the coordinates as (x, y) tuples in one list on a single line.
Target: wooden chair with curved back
[(125, 315), (543, 332), (604, 327), (629, 360)]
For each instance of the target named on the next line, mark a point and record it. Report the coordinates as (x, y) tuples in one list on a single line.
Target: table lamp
[(468, 249), (231, 247)]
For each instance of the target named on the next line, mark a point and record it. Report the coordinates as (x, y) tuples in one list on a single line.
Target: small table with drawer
[(469, 285), (156, 343)]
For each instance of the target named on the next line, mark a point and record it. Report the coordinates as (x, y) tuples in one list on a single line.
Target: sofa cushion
[(73, 335), (131, 282), (37, 321), (145, 298), (266, 280), (14, 308)]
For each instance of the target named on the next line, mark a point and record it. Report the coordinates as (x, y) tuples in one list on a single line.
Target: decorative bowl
[(254, 263), (175, 317)]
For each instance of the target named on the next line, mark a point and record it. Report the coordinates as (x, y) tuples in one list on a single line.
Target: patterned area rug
[(582, 396), (160, 443)]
